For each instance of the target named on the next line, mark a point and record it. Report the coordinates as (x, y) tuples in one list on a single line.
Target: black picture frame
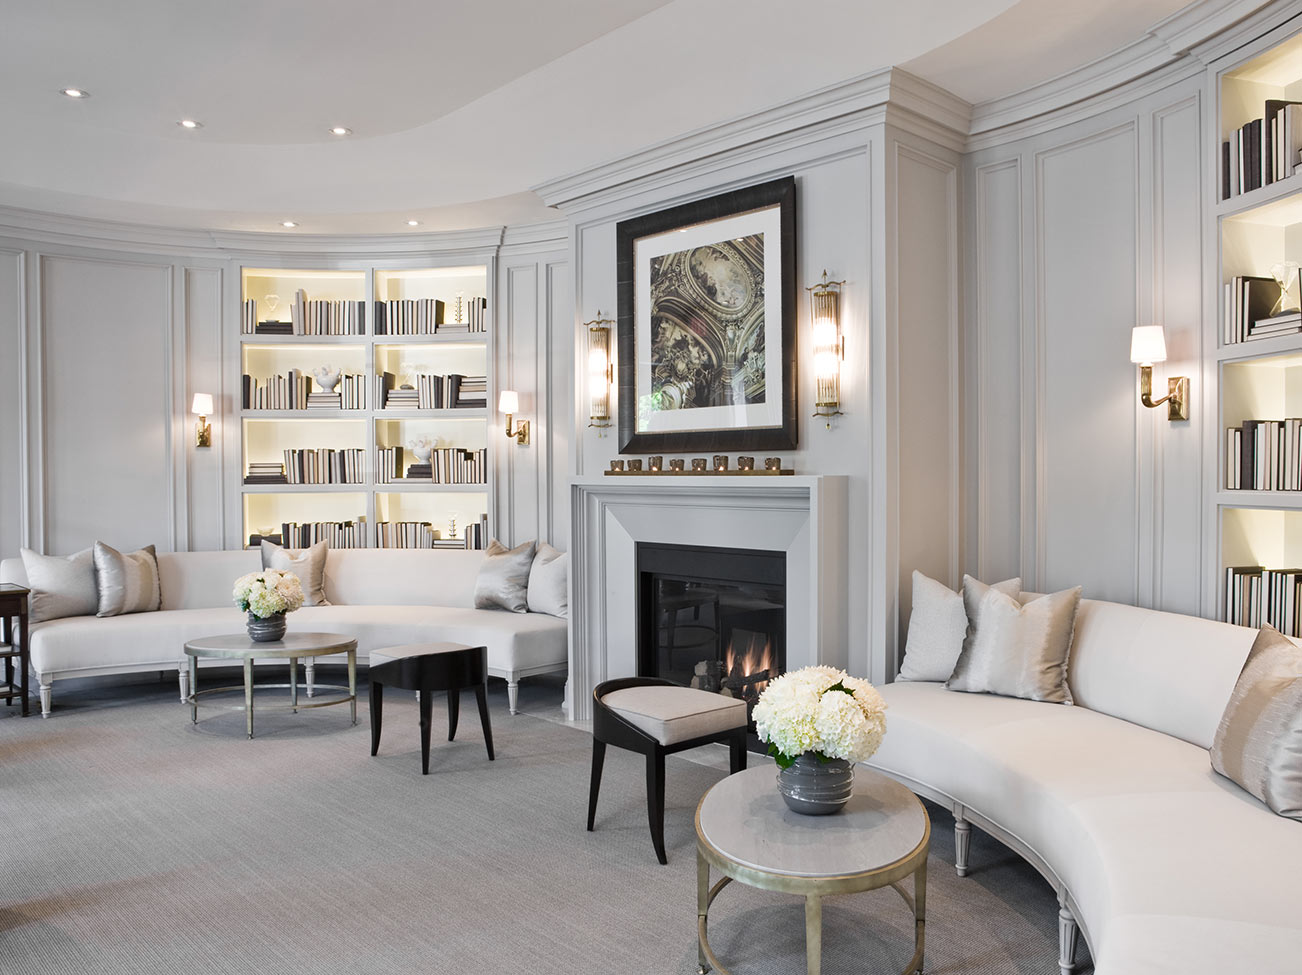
[(634, 325)]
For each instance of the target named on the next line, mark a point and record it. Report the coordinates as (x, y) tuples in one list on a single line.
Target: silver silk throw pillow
[(937, 627), (1016, 650), (127, 583), (1259, 741), (503, 581), (60, 587), (308, 564)]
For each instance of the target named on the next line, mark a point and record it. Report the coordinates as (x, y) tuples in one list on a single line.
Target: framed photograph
[(707, 324)]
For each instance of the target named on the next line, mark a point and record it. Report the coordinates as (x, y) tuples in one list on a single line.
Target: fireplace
[(712, 618)]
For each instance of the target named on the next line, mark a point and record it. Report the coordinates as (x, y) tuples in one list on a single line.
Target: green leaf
[(838, 686), (784, 760)]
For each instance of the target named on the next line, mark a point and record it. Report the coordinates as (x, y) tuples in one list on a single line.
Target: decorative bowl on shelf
[(327, 377), (422, 447)]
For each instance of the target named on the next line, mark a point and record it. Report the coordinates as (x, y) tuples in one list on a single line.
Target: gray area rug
[(133, 842)]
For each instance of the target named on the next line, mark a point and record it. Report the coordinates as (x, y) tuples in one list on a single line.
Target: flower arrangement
[(268, 593), (820, 710)]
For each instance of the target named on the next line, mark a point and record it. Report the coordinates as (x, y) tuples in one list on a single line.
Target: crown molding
[(853, 99), (549, 236)]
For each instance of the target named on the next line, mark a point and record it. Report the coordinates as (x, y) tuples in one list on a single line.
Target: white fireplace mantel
[(803, 517)]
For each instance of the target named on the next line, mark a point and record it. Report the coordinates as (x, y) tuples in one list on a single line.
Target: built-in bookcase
[(341, 464), (1257, 507)]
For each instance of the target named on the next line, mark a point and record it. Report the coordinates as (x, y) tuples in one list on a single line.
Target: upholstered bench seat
[(674, 714)]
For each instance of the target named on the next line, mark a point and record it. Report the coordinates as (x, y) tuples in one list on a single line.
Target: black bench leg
[(655, 800), (454, 710), (481, 696), (426, 719), (737, 752), (377, 708), (598, 759)]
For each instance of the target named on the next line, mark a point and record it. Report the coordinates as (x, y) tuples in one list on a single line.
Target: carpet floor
[(134, 842)]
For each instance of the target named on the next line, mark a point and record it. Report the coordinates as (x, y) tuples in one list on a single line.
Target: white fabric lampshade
[(509, 402), (1147, 344), (202, 405)]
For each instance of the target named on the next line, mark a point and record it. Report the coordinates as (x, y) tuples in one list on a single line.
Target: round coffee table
[(745, 831), (291, 647)]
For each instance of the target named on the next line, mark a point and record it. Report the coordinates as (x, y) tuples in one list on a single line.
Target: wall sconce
[(202, 408), (829, 347), (1147, 346), (509, 403), (600, 371)]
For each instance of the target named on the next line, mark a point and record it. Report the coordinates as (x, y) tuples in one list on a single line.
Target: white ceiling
[(456, 106)]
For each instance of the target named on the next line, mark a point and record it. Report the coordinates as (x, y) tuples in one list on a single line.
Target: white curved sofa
[(1167, 866), (382, 597)]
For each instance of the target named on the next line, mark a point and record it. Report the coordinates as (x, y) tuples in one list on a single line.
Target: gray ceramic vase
[(816, 787), (268, 630)]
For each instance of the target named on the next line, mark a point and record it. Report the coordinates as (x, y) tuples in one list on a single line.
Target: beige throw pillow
[(1259, 741), (1016, 650), (60, 587), (127, 583), (937, 627), (549, 582), (503, 581), (307, 563)]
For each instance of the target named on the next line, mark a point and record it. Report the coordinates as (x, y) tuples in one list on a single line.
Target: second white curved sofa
[(1167, 866)]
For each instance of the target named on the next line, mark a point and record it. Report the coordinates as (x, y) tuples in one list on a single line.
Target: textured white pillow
[(127, 582), (308, 564), (937, 627), (60, 587), (503, 580), (549, 582)]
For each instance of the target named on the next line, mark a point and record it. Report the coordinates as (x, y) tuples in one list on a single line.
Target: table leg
[(9, 661), (194, 690), (481, 696), (352, 682), (25, 658), (454, 710), (377, 713), (248, 695), (920, 914), (813, 934), (426, 719), (293, 684), (702, 910)]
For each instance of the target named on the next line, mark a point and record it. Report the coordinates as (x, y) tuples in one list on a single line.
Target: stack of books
[(274, 328), (467, 392), (284, 392), (389, 465), (324, 401), (409, 316), (266, 473), (325, 466), (403, 398), (405, 534), (1286, 323), (1249, 301), (249, 316), (453, 465), (1255, 595), (420, 472), (336, 534), (1262, 151), (324, 317), (1264, 455), (477, 314)]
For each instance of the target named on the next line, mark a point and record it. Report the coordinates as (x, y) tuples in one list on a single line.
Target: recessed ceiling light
[(413, 223), (288, 223), (189, 123), (75, 92), (341, 130)]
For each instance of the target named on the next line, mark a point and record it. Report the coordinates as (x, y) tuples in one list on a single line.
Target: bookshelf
[(310, 457), (1256, 507)]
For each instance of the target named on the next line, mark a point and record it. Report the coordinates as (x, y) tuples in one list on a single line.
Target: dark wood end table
[(13, 606), (426, 668)]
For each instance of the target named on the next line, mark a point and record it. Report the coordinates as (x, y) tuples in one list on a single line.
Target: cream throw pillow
[(549, 582), (306, 563), (1259, 741), (1013, 649), (503, 581), (127, 583), (937, 627), (60, 587)]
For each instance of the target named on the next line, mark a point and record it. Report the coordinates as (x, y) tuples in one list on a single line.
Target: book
[(1277, 161)]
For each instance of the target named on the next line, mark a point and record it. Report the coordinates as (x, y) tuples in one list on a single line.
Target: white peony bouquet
[(821, 710), (268, 592)]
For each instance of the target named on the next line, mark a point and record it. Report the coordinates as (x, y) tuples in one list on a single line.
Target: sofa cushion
[(549, 579), (674, 714), (307, 564), (937, 626), (127, 581), (503, 580), (60, 586), (87, 643), (1165, 671), (401, 577), (203, 580)]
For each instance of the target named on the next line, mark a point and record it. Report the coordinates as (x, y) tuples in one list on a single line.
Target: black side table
[(13, 605), (429, 667)]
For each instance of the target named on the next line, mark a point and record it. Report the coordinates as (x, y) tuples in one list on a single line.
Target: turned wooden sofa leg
[(309, 668), (512, 694), (45, 696), (1068, 932), (962, 843), (183, 678)]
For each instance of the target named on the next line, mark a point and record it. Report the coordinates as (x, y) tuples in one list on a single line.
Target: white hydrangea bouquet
[(820, 710), (268, 593)]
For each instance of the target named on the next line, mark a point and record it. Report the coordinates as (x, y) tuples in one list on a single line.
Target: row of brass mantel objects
[(655, 466)]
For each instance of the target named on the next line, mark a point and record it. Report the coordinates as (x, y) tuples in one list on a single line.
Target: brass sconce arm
[(1176, 398)]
